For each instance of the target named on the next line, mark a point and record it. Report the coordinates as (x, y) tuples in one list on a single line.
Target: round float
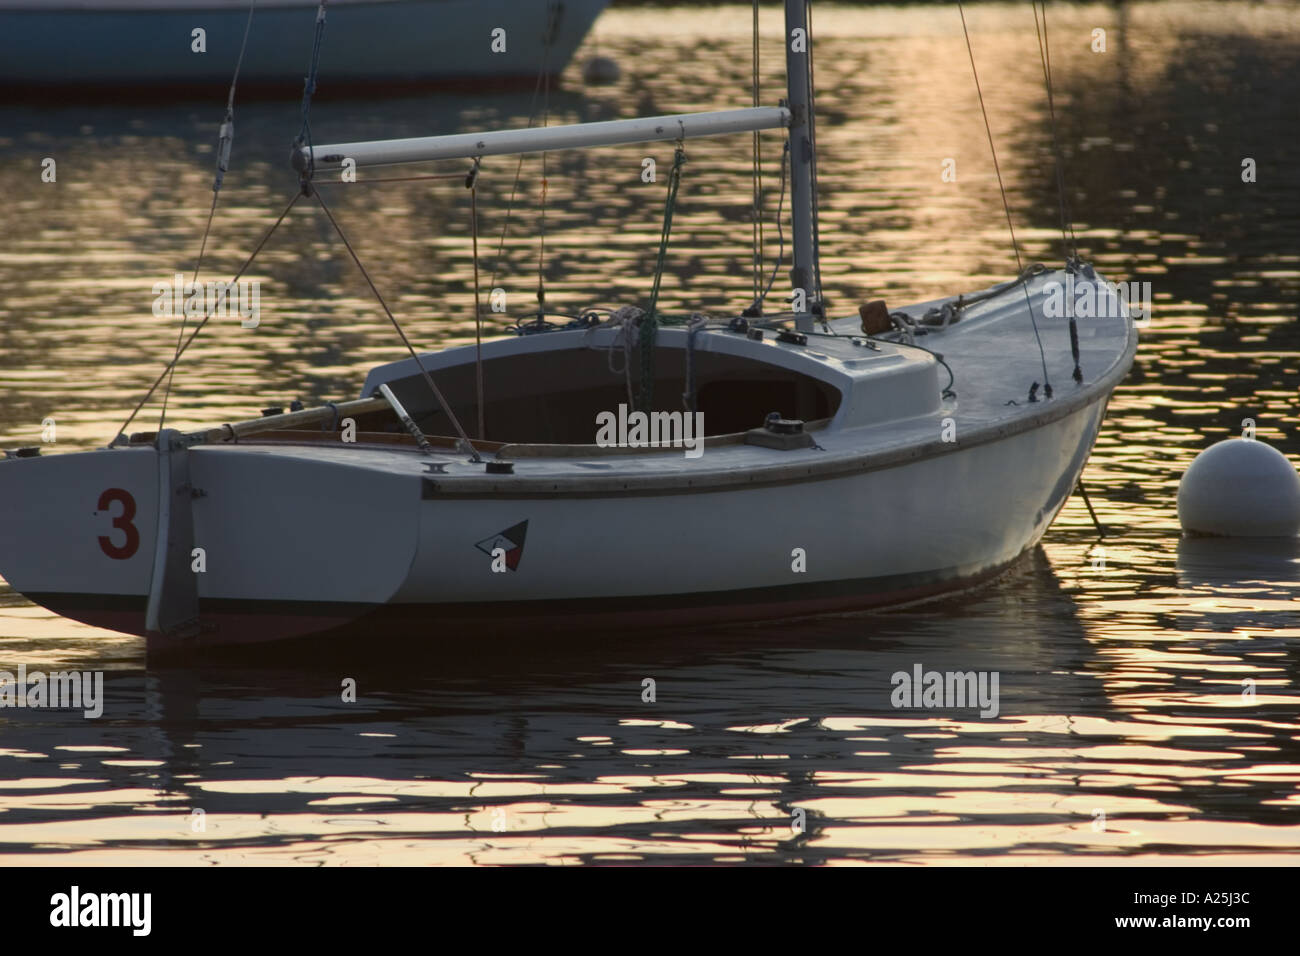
[(1240, 487)]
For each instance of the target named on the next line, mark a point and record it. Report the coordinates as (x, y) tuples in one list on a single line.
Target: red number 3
[(122, 522)]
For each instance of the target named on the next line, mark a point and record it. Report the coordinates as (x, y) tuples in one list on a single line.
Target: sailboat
[(623, 473)]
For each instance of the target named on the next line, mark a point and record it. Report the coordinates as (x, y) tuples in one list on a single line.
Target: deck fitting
[(783, 434)]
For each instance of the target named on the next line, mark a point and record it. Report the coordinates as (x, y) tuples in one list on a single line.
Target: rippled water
[(1123, 732)]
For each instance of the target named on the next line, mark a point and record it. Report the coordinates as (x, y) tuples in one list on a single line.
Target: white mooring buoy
[(1242, 488)]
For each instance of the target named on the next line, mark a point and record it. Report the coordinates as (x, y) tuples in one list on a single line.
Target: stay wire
[(812, 143), (757, 170), (199, 328), (650, 320), (467, 445), (988, 129), (519, 168), (308, 90), (755, 309), (1045, 56), (225, 138), (552, 25), (472, 182), (1069, 244)]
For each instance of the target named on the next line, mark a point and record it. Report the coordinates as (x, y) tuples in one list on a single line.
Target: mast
[(797, 52)]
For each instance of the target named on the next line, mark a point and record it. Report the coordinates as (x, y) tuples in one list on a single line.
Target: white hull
[(302, 536)]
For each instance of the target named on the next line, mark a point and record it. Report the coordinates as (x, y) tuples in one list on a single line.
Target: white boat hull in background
[(148, 43)]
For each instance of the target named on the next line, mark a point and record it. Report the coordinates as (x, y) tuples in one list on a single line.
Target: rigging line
[(1047, 387), (180, 334), (519, 168), (755, 310), (308, 89), (208, 315), (472, 182), (1070, 247), (952, 379), (225, 137), (757, 171), (670, 206), (1045, 56), (541, 245), (812, 143), (650, 321), (552, 25), (467, 445)]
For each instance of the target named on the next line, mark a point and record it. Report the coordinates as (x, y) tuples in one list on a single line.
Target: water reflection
[(483, 752), (1124, 730)]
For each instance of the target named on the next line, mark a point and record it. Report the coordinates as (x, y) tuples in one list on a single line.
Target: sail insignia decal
[(510, 540)]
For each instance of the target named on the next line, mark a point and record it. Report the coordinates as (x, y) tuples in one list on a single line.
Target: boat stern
[(77, 532)]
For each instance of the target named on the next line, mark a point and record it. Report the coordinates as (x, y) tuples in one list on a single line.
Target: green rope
[(650, 321)]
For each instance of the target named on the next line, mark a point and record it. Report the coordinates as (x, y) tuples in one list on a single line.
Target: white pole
[(801, 156), (542, 139)]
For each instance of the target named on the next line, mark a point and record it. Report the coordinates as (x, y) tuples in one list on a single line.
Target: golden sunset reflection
[(1151, 682)]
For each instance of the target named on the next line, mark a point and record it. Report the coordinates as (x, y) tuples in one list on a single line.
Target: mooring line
[(1101, 529)]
